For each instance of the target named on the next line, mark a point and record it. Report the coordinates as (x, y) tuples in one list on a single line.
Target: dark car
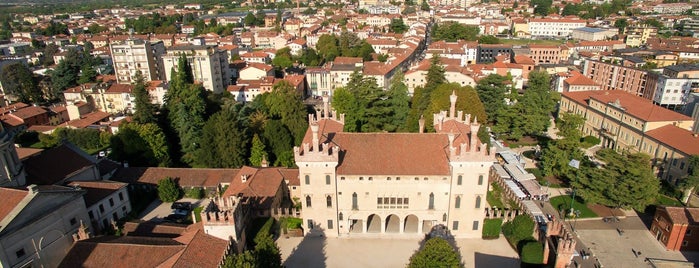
[(175, 218), (182, 206)]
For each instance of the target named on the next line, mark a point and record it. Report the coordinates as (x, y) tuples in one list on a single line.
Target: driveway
[(386, 252), (159, 210)]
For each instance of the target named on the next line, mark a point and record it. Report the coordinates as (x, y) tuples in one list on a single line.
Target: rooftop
[(636, 106)]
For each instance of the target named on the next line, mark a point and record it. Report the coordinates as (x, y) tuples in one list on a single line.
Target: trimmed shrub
[(492, 228), (532, 252), (195, 192), (168, 190)]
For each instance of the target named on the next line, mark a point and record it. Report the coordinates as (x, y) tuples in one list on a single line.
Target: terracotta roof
[(680, 139), (186, 177), (124, 251), (682, 215), (119, 88), (13, 107), (10, 200), (261, 66), (96, 191), (579, 79), (152, 229), (56, 164), (392, 153), (87, 120), (634, 105), (522, 59), (347, 60), (23, 152), (203, 251), (40, 128), (28, 112), (261, 184)]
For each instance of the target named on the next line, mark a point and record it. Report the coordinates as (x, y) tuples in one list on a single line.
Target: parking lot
[(157, 211)]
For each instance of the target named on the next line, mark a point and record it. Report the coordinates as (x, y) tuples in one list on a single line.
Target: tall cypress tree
[(145, 110)]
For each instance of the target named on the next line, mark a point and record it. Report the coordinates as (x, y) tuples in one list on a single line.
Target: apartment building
[(209, 65), (466, 52), (593, 34), (676, 227), (560, 28), (612, 76), (487, 53), (137, 55), (547, 54)]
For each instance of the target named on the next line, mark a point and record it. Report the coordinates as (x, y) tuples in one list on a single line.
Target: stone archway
[(356, 226), (411, 224), (373, 224), (392, 224)]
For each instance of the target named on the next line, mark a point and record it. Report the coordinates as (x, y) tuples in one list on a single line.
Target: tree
[(488, 39), (467, 101), (422, 95), (168, 190), (557, 153), (87, 74), (282, 58), (542, 7), (285, 102), (250, 19), (626, 181), (397, 26), (530, 115), (140, 145), (621, 24), (280, 141), (491, 91), (224, 142), (399, 101), (267, 252), (689, 184), (257, 151), (453, 31), (520, 228), (425, 6), (437, 252), (365, 104), (145, 110), (19, 81), (327, 47)]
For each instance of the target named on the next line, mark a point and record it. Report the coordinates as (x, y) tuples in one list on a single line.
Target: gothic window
[(478, 201), (308, 201), (475, 225), (444, 217), (339, 216), (480, 179), (327, 179), (459, 179), (308, 180), (354, 201), (329, 201), (457, 203), (431, 204), (455, 225)]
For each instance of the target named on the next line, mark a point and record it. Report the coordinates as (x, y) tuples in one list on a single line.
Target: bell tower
[(11, 169)]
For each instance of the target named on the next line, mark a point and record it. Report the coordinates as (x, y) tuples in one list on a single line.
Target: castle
[(377, 184)]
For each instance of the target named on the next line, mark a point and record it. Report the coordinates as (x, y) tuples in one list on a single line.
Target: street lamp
[(574, 164), (576, 215)]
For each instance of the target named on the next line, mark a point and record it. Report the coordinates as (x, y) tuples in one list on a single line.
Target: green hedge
[(492, 228), (532, 252)]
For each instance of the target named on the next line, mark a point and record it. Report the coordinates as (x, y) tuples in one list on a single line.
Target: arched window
[(327, 179), (308, 179), (339, 216), (478, 201), (431, 204), (308, 201), (459, 180), (457, 203), (354, 201), (329, 201), (444, 217), (480, 179)]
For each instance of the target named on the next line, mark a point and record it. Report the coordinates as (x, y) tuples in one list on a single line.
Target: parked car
[(181, 205)]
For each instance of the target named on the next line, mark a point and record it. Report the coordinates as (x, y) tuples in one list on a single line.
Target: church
[(393, 184)]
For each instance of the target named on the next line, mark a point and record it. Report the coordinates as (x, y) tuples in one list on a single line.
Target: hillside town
[(362, 133)]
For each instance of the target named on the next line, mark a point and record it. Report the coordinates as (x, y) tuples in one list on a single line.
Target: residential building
[(676, 227), (560, 28), (487, 53), (137, 55), (639, 35), (209, 65), (255, 70), (672, 8), (38, 224), (466, 52), (545, 54), (672, 93), (572, 81), (375, 188), (612, 76), (319, 81), (106, 202), (342, 68)]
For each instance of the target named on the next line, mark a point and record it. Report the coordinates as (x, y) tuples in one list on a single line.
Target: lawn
[(531, 41), (563, 202), (492, 228), (665, 200), (197, 213), (494, 196)]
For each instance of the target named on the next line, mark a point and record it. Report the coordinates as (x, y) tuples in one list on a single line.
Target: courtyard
[(386, 252)]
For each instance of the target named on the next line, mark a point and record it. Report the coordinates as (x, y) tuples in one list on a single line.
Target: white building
[(673, 92), (376, 187), (133, 55), (209, 65), (554, 27), (106, 202), (37, 225)]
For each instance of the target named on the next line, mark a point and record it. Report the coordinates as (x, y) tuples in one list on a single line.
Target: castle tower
[(564, 254), (11, 170)]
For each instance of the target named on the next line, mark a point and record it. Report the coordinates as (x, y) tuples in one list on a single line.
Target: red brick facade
[(676, 227)]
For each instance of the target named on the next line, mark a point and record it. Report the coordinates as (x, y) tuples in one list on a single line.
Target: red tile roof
[(124, 251), (96, 191), (635, 106), (202, 251), (23, 153), (186, 177), (680, 139), (392, 153), (87, 120), (578, 79), (56, 164), (682, 215), (10, 200)]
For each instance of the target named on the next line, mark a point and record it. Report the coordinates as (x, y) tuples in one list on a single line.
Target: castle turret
[(452, 108)]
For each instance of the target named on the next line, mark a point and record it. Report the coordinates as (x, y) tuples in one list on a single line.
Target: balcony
[(607, 132)]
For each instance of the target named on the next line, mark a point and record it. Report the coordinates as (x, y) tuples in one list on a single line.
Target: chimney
[(421, 122), (243, 178), (452, 109), (314, 128), (264, 161), (33, 188)]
